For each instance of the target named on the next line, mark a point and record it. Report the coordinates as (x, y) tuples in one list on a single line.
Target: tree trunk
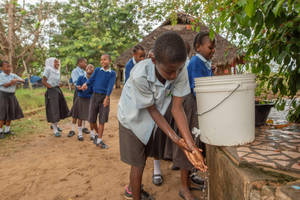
[(11, 33), (68, 78), (28, 75)]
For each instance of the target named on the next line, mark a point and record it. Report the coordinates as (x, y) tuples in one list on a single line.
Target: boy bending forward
[(145, 99)]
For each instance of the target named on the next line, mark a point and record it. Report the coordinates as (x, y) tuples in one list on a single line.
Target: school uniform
[(56, 105), (82, 103), (9, 105), (197, 67), (136, 127), (128, 67), (76, 73), (102, 81)]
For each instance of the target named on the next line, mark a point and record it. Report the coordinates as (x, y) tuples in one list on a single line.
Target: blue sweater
[(84, 93), (128, 68), (197, 69), (102, 81)]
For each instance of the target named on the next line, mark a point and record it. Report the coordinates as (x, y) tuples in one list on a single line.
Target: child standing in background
[(76, 73), (9, 105), (82, 102), (56, 105), (138, 55), (102, 81)]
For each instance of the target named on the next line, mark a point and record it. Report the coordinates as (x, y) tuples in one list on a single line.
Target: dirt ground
[(47, 168)]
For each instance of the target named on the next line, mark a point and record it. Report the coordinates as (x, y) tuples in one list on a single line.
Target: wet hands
[(196, 158), (194, 155)]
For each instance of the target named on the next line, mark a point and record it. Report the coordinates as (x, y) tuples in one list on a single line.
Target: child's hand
[(79, 87), (182, 144), (106, 102), (196, 158), (214, 69), (14, 81), (84, 87)]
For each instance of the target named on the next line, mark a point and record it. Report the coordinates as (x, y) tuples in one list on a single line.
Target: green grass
[(35, 98), (31, 124)]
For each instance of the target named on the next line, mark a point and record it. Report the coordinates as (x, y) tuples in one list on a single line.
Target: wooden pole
[(68, 78), (28, 75)]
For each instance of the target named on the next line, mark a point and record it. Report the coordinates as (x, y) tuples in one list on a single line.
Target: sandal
[(86, 131), (157, 179), (80, 137), (144, 195), (71, 133), (182, 196), (57, 134), (197, 180)]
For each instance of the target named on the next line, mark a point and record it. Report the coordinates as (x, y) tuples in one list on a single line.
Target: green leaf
[(276, 9), (249, 8)]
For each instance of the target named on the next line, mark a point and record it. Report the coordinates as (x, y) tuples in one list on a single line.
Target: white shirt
[(52, 75), (143, 90), (76, 73), (4, 78)]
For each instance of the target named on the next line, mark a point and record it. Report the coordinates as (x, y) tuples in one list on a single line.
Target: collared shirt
[(196, 69), (102, 81), (128, 67), (76, 73), (53, 76), (143, 90), (106, 70), (206, 62), (4, 78)]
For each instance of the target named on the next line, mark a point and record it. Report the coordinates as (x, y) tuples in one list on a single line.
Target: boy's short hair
[(199, 39), (106, 54), (80, 60), (2, 62), (138, 47), (170, 48), (90, 65)]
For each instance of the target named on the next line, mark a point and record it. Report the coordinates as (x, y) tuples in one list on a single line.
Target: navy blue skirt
[(56, 105), (9, 107)]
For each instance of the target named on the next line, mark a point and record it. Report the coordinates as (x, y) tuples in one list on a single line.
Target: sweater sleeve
[(111, 83), (128, 68)]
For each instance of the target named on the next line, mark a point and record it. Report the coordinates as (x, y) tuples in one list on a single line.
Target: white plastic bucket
[(226, 109)]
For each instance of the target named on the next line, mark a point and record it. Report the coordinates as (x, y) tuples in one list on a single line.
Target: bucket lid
[(225, 79)]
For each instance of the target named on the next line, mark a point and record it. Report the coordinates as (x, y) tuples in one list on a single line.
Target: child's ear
[(153, 60)]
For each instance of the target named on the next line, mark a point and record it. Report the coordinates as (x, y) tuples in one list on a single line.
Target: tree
[(267, 32), (90, 28), (20, 30)]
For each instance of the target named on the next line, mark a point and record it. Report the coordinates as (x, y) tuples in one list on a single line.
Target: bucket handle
[(237, 87)]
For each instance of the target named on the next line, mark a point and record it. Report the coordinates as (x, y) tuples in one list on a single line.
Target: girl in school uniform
[(82, 102), (9, 105), (199, 66), (56, 105), (138, 55)]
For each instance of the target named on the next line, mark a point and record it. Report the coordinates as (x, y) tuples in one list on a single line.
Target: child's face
[(56, 64), (139, 55), (169, 71), (105, 61), (89, 70), (207, 48), (6, 68), (82, 64)]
